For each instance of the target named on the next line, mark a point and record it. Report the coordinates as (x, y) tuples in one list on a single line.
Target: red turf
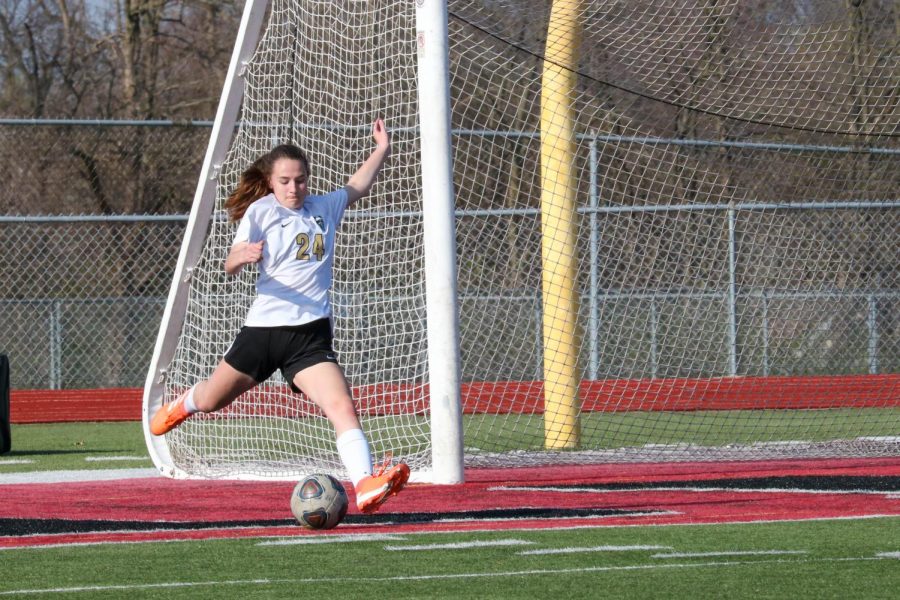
[(161, 500)]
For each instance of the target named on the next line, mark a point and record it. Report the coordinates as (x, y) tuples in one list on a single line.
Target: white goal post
[(608, 232), (195, 233), (440, 388)]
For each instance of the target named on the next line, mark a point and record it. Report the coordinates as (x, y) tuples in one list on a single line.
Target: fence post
[(55, 345), (872, 322), (732, 293), (654, 341), (593, 302), (765, 331)]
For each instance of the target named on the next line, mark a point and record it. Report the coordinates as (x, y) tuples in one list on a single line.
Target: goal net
[(676, 227)]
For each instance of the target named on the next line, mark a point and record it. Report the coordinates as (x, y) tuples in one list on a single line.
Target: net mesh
[(736, 215), (321, 74), (733, 189)]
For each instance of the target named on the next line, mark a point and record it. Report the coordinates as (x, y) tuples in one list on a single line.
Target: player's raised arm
[(243, 253), (361, 182)]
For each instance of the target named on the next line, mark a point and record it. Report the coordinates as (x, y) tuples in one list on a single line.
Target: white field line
[(84, 544), (635, 513), (728, 553), (683, 489), (112, 458), (888, 555), (592, 549), (277, 540), (138, 532), (331, 581), (749, 523), (16, 461), (335, 539), (461, 545), (77, 476)]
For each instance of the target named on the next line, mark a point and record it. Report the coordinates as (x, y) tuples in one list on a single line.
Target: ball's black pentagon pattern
[(319, 502), (311, 488), (315, 519)]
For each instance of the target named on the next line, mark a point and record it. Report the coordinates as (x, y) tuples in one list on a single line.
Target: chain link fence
[(86, 267), (53, 167), (92, 217), (82, 297)]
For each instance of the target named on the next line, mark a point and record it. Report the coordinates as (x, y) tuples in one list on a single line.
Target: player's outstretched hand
[(248, 252), (380, 134)]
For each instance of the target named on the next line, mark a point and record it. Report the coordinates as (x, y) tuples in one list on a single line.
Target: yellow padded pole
[(559, 228)]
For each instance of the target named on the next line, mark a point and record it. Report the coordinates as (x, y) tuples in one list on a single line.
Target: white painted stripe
[(888, 555), (335, 539), (540, 528), (143, 586), (406, 577), (730, 553), (660, 513), (284, 541), (162, 529), (77, 476), (592, 549), (16, 461), (113, 458), (117, 542), (748, 490), (462, 545), (593, 525)]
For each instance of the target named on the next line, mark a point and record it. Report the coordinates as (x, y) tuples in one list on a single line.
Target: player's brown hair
[(254, 182)]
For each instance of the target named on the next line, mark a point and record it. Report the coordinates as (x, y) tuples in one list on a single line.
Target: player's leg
[(245, 364), (221, 389), (215, 393), (324, 383)]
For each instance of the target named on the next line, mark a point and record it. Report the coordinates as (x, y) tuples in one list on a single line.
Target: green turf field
[(855, 558), (121, 445), (75, 446), (605, 430), (827, 559)]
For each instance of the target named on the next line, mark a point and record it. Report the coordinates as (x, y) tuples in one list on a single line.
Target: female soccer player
[(291, 234)]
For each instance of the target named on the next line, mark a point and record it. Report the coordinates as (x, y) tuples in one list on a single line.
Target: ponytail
[(254, 183)]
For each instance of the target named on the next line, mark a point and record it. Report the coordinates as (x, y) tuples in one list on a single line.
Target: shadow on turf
[(17, 527)]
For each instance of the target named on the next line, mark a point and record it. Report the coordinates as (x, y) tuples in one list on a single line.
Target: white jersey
[(298, 254)]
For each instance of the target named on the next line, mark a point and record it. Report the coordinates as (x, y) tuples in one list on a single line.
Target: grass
[(816, 559), (75, 446), (68, 445), (806, 559), (704, 428)]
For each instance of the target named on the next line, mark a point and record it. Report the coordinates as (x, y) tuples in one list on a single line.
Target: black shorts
[(259, 351)]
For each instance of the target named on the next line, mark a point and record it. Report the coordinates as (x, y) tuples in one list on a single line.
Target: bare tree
[(134, 59), (35, 41), (126, 59)]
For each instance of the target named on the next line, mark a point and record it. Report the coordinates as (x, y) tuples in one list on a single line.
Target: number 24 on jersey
[(306, 248)]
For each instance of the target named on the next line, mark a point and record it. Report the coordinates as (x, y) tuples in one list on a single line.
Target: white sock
[(189, 405), (353, 447)]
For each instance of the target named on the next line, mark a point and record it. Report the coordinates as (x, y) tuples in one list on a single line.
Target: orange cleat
[(170, 416), (374, 490)]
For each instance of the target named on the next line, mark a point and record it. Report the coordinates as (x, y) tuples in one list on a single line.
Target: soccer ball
[(319, 502)]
